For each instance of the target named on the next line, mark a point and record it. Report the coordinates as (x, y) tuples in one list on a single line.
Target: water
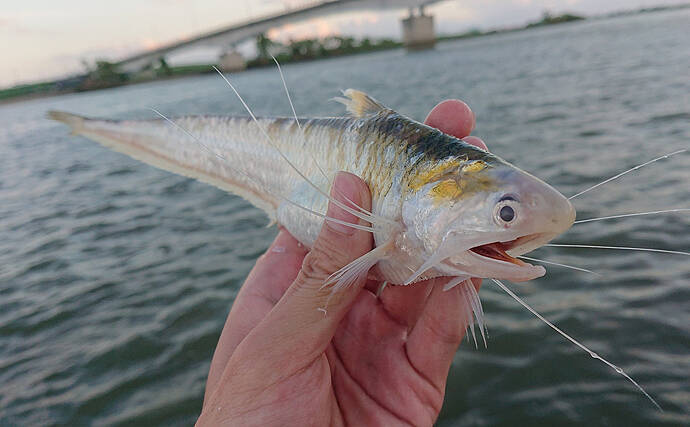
[(116, 278)]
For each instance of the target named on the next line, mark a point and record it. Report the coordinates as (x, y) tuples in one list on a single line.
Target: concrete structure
[(418, 31), (228, 37), (231, 61)]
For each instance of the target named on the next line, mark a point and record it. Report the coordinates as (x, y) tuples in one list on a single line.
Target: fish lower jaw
[(498, 259), (487, 267)]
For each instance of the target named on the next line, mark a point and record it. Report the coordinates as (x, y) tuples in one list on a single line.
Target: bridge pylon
[(231, 60), (418, 30)]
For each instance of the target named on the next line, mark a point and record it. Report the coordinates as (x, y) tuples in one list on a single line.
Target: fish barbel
[(440, 206)]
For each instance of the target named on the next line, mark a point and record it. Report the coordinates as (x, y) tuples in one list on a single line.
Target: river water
[(116, 278)]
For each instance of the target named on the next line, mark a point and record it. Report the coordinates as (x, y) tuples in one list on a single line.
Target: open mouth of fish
[(499, 250), (499, 259)]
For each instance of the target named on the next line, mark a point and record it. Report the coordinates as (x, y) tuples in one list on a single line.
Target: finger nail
[(344, 187)]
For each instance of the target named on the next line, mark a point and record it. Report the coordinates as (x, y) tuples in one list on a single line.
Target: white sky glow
[(46, 39)]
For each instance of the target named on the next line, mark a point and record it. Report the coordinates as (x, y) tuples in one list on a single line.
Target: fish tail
[(155, 143), (75, 122)]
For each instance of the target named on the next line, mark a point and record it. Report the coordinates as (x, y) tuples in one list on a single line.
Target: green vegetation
[(186, 70), (102, 75), (162, 70), (648, 10), (548, 19), (310, 49), (466, 35), (27, 90)]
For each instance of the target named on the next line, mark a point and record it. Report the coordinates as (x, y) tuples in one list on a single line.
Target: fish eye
[(507, 213)]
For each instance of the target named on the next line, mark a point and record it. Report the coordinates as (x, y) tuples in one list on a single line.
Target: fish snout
[(547, 210), (561, 214)]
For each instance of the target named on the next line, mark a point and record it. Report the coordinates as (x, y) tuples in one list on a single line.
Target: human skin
[(370, 360)]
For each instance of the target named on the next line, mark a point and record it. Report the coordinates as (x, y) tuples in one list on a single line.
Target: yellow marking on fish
[(448, 189), (475, 166), (463, 185), (426, 176)]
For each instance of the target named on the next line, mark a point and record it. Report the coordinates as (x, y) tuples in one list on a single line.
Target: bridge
[(418, 29)]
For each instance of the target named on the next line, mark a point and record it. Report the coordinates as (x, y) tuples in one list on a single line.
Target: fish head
[(477, 216)]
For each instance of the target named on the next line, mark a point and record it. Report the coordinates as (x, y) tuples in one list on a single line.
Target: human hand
[(371, 360)]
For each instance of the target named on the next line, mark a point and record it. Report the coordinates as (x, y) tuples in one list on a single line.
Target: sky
[(47, 39)]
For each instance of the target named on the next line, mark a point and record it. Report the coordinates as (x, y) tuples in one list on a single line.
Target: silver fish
[(440, 206)]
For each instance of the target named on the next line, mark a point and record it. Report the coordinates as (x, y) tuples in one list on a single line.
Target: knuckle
[(322, 261), (313, 270)]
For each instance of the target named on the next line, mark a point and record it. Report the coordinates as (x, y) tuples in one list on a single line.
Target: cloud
[(13, 25)]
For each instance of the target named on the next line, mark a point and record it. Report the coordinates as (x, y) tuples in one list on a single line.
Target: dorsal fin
[(359, 104)]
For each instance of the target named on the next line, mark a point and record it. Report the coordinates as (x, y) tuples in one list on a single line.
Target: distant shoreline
[(105, 75)]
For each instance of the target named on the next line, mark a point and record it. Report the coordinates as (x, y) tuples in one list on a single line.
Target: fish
[(440, 207)]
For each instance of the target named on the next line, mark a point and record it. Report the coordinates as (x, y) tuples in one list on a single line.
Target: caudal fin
[(75, 122)]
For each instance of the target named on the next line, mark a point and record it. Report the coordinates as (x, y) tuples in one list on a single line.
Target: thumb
[(296, 327)]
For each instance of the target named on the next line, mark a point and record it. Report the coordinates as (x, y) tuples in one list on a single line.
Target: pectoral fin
[(347, 275)]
